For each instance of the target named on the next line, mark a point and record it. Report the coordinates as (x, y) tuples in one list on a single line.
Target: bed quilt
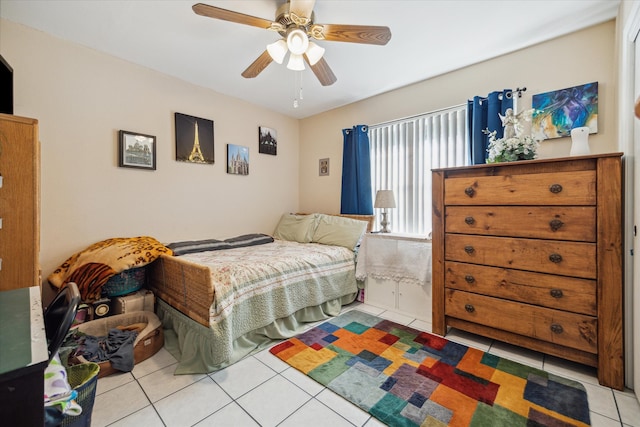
[(256, 285)]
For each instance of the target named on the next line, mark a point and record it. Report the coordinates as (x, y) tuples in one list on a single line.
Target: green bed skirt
[(194, 345)]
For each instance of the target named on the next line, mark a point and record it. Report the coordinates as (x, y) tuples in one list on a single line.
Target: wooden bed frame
[(187, 286)]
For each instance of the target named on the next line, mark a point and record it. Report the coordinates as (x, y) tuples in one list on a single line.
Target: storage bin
[(83, 378), (146, 344), (142, 300), (125, 282)]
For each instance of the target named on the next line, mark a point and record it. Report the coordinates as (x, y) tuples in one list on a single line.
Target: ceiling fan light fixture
[(277, 50), (296, 62), (314, 53), (297, 41)]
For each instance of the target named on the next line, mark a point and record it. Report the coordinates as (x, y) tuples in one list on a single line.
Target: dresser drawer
[(576, 223), (545, 256), (559, 292), (561, 188), (567, 329)]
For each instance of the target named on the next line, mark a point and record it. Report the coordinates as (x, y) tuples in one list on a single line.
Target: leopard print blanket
[(91, 268)]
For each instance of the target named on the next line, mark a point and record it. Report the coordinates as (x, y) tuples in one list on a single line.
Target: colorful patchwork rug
[(405, 377)]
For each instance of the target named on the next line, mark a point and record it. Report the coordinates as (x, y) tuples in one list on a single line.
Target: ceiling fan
[(295, 23)]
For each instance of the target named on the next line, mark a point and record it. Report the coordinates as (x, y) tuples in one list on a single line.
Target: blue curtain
[(483, 114), (356, 172)]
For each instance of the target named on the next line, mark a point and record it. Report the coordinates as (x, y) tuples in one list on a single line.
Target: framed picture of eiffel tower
[(194, 139)]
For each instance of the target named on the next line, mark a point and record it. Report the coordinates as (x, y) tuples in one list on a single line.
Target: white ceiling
[(429, 38)]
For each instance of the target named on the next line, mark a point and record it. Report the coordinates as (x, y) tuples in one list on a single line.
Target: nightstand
[(396, 269)]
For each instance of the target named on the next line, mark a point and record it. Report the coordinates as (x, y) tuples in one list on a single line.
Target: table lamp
[(384, 200)]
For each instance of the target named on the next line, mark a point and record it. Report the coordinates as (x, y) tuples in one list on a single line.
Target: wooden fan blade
[(257, 66), (368, 34), (302, 8), (322, 71), (228, 15)]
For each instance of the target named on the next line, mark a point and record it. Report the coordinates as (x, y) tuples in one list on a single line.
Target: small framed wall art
[(237, 159), (323, 167), (136, 150), (267, 140), (194, 139)]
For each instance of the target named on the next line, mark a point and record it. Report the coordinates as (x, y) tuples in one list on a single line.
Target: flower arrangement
[(514, 145), (523, 147)]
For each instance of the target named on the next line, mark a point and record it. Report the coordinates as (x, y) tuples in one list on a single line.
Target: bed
[(220, 301)]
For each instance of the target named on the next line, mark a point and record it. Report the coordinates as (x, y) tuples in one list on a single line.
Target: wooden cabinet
[(19, 202), (530, 253)]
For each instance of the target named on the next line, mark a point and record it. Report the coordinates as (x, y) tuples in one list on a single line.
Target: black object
[(59, 315), (6, 87)]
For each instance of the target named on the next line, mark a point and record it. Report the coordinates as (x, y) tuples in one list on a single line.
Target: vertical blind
[(403, 152)]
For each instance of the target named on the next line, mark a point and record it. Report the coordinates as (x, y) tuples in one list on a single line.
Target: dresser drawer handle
[(469, 191), (469, 249), (555, 224), (555, 258), (556, 293), (469, 278), (469, 308), (556, 328), (470, 220), (555, 188)]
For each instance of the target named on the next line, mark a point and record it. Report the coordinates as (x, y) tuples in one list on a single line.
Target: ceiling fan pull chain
[(300, 73), (297, 88)]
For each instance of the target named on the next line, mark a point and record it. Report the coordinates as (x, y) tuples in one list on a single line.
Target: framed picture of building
[(267, 140), (136, 150), (194, 139), (237, 159)]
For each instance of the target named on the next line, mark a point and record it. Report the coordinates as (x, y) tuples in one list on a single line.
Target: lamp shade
[(277, 50), (296, 62), (297, 41), (314, 53), (385, 199)]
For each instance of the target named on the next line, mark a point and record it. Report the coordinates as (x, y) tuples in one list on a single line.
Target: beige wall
[(575, 59), (82, 98)]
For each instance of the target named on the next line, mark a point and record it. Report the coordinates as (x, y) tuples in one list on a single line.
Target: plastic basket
[(125, 282), (83, 378)]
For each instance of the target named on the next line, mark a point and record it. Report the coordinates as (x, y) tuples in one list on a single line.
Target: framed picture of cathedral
[(136, 150), (237, 159), (194, 139), (267, 140)]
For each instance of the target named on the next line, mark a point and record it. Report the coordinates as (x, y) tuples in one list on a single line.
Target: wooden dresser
[(19, 202), (530, 253)]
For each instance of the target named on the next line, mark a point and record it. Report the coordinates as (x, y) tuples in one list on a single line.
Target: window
[(403, 152)]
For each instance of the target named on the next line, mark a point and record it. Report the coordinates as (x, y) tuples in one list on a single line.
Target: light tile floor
[(261, 390)]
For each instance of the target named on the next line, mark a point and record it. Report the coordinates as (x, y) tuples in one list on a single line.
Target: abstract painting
[(556, 113)]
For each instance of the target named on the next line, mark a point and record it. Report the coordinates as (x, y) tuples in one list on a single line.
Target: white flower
[(516, 147)]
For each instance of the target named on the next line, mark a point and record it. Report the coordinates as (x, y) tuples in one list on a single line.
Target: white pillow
[(296, 228), (339, 231)]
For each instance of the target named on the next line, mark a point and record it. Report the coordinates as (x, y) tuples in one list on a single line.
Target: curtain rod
[(517, 90), (417, 116)]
